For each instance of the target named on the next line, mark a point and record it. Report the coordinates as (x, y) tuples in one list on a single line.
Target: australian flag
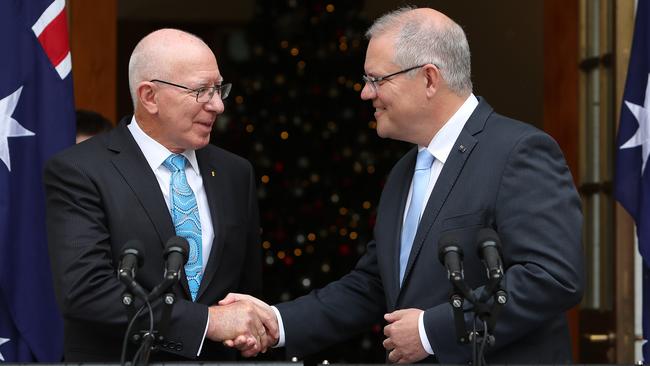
[(632, 176), (37, 119)]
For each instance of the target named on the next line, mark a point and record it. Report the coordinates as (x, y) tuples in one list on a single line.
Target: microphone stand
[(148, 338), (169, 299), (127, 301), (459, 293), (484, 310)]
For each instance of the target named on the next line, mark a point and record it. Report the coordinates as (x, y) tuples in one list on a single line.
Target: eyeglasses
[(203, 94), (376, 81)]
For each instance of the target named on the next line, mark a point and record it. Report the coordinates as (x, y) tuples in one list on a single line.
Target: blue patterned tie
[(185, 216), (420, 182)]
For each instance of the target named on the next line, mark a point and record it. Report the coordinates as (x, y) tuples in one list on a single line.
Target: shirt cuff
[(280, 327), (207, 323), (423, 335)]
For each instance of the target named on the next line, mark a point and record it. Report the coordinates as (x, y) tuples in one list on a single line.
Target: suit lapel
[(132, 165), (459, 154), (214, 185)]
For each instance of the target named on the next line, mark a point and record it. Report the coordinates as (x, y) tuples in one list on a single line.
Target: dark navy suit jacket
[(502, 174), (101, 194)]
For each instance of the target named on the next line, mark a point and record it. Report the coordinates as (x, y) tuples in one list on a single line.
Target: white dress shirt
[(155, 153), (440, 147)]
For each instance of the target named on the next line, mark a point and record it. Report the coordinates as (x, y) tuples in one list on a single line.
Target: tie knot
[(175, 162), (424, 160)]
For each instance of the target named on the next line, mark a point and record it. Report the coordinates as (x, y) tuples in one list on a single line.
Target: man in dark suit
[(472, 169), (123, 185)]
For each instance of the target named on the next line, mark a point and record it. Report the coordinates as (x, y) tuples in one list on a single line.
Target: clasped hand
[(403, 341), (245, 323)]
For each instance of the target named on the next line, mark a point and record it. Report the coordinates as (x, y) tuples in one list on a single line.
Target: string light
[(296, 115)]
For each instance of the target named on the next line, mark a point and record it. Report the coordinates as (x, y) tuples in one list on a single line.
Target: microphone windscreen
[(134, 247), (177, 244), (448, 242), (486, 237), (487, 234)]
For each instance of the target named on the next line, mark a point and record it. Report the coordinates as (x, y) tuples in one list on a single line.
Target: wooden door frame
[(561, 75), (561, 120), (93, 46), (624, 226)]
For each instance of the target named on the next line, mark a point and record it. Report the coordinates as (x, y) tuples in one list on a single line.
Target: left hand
[(403, 337)]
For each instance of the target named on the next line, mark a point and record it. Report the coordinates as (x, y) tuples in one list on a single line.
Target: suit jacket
[(502, 174), (101, 194)]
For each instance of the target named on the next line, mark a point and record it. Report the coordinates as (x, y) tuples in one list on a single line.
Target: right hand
[(239, 321), (265, 314)]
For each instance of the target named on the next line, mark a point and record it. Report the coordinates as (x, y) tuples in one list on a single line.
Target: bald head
[(427, 36), (159, 54)]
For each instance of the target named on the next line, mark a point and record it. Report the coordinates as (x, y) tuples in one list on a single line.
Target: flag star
[(9, 127), (642, 135), (3, 341)]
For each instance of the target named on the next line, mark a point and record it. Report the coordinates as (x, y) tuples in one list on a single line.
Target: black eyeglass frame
[(374, 81), (222, 90)]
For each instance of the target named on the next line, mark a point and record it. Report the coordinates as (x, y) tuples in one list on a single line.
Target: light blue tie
[(420, 182), (185, 216)]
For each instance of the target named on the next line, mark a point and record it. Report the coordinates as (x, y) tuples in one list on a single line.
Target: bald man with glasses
[(152, 177)]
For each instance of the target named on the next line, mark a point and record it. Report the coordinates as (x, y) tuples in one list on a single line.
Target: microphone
[(450, 255), (131, 257), (175, 254), (488, 248)]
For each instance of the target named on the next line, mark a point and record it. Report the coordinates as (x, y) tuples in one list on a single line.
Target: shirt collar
[(154, 152), (442, 143)]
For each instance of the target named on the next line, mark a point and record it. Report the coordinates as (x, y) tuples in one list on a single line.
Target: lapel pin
[(462, 148), (212, 171)]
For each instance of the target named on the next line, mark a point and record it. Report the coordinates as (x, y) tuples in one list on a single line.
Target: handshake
[(243, 322), (251, 326)]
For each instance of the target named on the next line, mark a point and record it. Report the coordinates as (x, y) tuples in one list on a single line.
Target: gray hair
[(418, 42), (141, 67)]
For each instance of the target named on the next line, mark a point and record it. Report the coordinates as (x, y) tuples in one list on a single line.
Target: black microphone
[(131, 257), (488, 248), (450, 255), (175, 254)]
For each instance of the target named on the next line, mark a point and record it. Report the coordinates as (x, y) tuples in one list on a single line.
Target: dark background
[(296, 114)]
